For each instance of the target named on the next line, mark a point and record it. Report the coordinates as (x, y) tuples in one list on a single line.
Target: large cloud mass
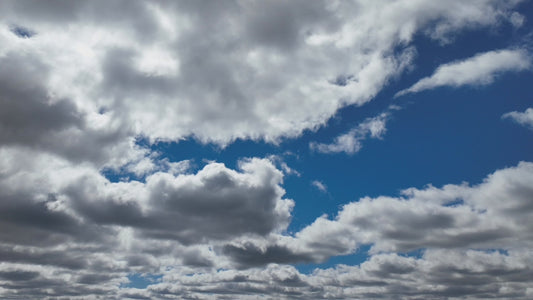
[(82, 236), (251, 69)]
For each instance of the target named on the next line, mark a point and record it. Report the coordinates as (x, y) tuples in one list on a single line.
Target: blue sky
[(266, 149)]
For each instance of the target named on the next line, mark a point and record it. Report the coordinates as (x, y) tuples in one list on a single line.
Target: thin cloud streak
[(480, 69)]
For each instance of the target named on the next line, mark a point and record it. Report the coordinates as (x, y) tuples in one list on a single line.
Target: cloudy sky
[(266, 149)]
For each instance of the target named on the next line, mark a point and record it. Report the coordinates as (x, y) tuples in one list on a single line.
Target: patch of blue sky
[(22, 32), (141, 281)]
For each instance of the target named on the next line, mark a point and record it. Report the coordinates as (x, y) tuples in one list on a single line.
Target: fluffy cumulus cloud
[(477, 70), (493, 214), (215, 203), (523, 118), (87, 87), (60, 221)]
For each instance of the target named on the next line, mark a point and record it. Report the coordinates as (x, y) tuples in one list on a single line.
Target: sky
[(266, 149)]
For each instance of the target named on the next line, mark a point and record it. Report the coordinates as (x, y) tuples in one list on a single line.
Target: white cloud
[(82, 234), (256, 73), (278, 160), (493, 214), (350, 142), (320, 186), (480, 69), (523, 118)]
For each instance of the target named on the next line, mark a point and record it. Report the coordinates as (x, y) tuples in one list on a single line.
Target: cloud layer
[(222, 231)]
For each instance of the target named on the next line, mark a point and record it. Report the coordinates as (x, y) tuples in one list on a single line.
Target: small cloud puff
[(320, 186), (523, 118)]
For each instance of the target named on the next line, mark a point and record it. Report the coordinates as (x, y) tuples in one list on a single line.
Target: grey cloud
[(283, 25), (195, 258), (52, 288), (40, 257), (57, 10), (29, 222), (424, 213), (92, 279), (274, 281), (122, 79), (65, 13), (250, 255), (18, 275), (26, 112), (216, 203), (438, 274), (30, 118)]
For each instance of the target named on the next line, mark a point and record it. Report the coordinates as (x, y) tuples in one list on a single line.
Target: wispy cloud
[(320, 186), (351, 142), (480, 69)]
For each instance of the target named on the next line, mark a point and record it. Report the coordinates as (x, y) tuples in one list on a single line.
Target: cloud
[(278, 160), (71, 222), (493, 214), (436, 274), (459, 239), (523, 118), (79, 234), (319, 185), (248, 77), (214, 204), (31, 118), (67, 202), (82, 83), (250, 255), (480, 69), (350, 142), (517, 20)]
